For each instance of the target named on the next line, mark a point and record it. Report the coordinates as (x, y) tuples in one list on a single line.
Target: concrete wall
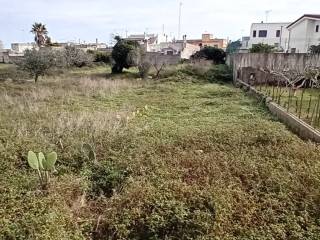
[(273, 61), (167, 59), (4, 57)]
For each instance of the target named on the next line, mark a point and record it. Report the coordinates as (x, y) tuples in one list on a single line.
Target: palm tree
[(40, 33)]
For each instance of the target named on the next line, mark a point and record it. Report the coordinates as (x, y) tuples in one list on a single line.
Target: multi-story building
[(294, 37), (274, 34)]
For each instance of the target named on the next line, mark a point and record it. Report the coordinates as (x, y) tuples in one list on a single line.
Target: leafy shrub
[(233, 47), (75, 57), (219, 73), (106, 178), (217, 55), (12, 72), (209, 72), (125, 54), (197, 69), (314, 49), (101, 57), (144, 69), (262, 48)]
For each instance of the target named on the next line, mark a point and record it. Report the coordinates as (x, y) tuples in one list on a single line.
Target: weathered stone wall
[(244, 62), (4, 57), (160, 58)]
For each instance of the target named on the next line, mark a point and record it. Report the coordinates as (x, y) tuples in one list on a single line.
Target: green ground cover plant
[(177, 158)]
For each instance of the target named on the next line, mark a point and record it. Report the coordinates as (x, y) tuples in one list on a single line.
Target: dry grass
[(202, 161)]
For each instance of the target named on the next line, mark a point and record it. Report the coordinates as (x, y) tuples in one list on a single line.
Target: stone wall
[(160, 58), (4, 57), (243, 63)]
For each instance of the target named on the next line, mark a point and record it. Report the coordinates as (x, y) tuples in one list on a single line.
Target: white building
[(274, 34), (295, 37), (21, 47), (303, 33)]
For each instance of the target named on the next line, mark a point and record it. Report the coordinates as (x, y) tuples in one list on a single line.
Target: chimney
[(97, 42)]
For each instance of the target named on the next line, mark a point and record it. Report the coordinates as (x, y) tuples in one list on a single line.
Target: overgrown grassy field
[(178, 158)]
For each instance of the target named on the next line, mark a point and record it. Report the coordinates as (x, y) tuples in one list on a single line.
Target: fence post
[(301, 102)]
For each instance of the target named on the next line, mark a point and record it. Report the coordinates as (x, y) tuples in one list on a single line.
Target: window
[(170, 53), (317, 28), (263, 33), (254, 33), (278, 33)]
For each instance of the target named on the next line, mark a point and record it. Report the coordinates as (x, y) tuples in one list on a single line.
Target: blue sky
[(87, 20)]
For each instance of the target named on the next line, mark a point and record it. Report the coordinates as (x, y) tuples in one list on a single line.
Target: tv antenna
[(267, 14)]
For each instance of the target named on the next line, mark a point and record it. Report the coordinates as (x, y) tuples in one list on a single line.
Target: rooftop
[(313, 16)]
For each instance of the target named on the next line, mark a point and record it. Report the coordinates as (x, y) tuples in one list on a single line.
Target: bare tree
[(158, 64), (313, 75), (290, 78)]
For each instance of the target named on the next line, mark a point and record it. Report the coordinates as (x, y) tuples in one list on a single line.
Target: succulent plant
[(33, 160), (43, 164)]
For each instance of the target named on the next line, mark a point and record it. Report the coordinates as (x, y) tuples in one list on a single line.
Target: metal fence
[(298, 93)]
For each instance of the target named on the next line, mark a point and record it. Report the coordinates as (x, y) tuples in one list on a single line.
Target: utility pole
[(179, 31)]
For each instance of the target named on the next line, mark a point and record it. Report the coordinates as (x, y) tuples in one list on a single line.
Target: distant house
[(208, 40), (148, 40), (154, 43), (21, 47), (303, 33), (182, 48)]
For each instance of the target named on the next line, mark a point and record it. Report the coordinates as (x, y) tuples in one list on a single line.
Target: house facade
[(207, 40), (303, 33), (274, 34), (21, 47)]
